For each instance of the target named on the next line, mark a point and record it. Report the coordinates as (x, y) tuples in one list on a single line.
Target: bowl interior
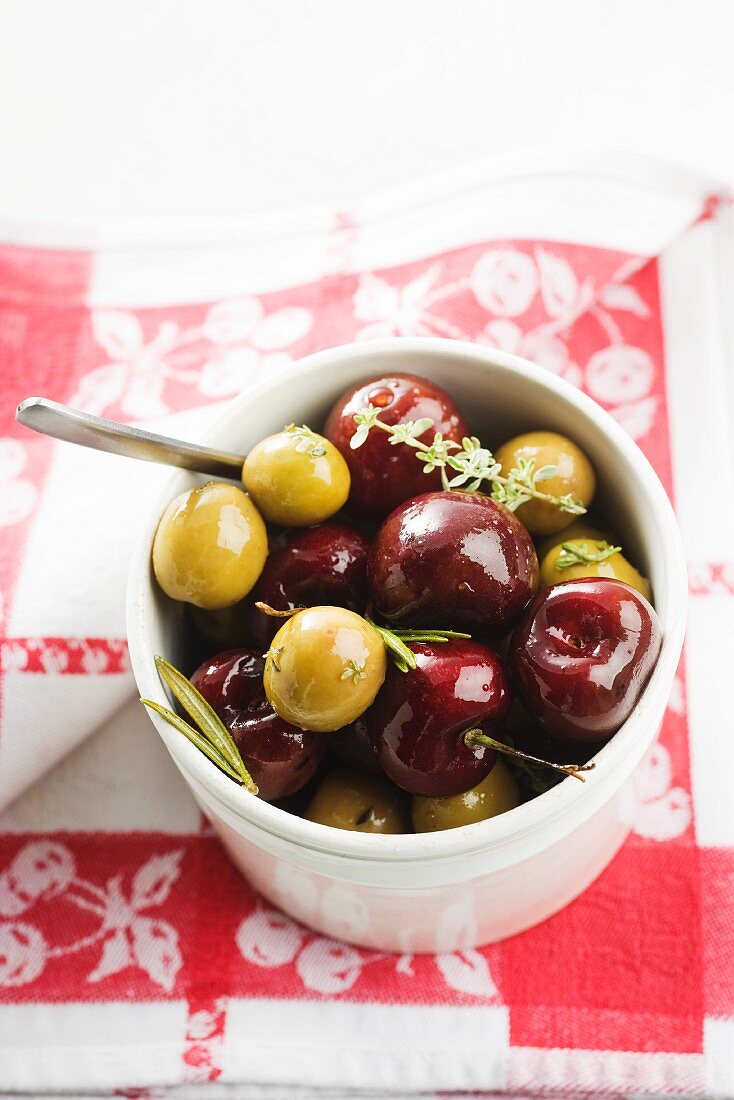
[(500, 395)]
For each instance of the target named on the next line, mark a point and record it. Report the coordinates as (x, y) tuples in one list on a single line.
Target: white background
[(212, 106)]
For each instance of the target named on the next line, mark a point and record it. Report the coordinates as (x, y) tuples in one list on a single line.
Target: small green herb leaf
[(365, 421), (409, 431), (354, 672), (568, 504), (308, 441), (580, 554)]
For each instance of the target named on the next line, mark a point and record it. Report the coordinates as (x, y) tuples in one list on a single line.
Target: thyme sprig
[(578, 553), (471, 462), (212, 737), (354, 672), (307, 441)]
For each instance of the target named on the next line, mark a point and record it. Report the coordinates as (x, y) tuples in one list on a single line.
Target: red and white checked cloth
[(131, 953)]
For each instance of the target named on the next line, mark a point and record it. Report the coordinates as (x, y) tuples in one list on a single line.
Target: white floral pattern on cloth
[(269, 939), (236, 342), (655, 808), (18, 496), (404, 311), (715, 578), (509, 284), (44, 870)]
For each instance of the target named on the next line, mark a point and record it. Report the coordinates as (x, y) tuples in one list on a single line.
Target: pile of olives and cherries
[(460, 637)]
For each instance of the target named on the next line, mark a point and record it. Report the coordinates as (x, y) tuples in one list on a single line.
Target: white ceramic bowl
[(451, 890)]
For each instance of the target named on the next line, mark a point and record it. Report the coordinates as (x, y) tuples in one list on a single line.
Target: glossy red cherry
[(384, 475), (232, 678), (352, 745), (582, 655), (419, 718), (280, 758), (324, 565), (455, 560)]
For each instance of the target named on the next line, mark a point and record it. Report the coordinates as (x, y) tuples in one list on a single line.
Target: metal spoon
[(73, 426)]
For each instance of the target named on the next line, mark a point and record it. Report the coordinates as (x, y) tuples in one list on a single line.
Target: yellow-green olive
[(575, 476), (210, 546), (346, 799), (496, 793), (582, 527), (324, 668), (616, 566), (296, 478)]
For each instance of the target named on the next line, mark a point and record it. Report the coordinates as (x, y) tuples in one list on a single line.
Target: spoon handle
[(61, 422)]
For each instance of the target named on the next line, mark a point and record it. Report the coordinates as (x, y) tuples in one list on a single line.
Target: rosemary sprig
[(395, 642), (429, 635), (403, 657), (194, 736), (579, 553), (212, 737), (472, 463)]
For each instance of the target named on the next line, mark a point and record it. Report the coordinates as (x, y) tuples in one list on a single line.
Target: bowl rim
[(530, 816)]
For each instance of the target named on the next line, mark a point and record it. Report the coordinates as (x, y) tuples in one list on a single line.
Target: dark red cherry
[(383, 475), (582, 654), (419, 718), (453, 560), (324, 565), (352, 745), (280, 758)]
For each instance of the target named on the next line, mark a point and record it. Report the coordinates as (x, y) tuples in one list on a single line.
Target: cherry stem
[(275, 614), (479, 737)]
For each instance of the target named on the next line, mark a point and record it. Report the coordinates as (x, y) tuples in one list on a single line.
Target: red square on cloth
[(621, 968), (717, 891)]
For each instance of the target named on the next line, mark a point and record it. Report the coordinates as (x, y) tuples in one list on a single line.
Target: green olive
[(615, 567), (296, 478), (210, 546), (347, 799), (582, 527), (324, 668), (496, 793), (575, 476)]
